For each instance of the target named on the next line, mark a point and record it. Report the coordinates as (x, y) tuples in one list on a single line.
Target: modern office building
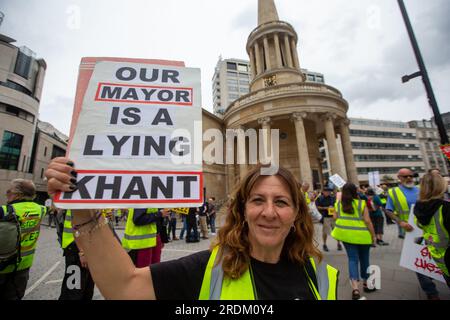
[(231, 81), (384, 147), (21, 80), (429, 141)]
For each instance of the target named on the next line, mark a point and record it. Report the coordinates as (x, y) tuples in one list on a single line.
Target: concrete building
[(280, 98), (49, 143), (429, 140), (21, 80), (383, 146), (231, 81)]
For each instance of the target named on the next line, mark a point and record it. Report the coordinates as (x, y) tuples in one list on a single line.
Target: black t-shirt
[(182, 279)]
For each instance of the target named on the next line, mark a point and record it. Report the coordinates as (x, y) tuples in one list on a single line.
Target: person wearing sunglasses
[(400, 200)]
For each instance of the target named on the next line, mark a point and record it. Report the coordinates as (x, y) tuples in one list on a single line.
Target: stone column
[(266, 126), (287, 50), (252, 63), (352, 173), (278, 51), (267, 53), (231, 178), (295, 54), (335, 164), (302, 148), (242, 152), (258, 59)]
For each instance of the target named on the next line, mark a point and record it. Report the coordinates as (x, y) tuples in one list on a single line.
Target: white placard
[(135, 144), (416, 257), (338, 181), (374, 178)]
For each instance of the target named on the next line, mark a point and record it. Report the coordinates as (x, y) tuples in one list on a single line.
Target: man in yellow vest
[(400, 200), (76, 265), (20, 195)]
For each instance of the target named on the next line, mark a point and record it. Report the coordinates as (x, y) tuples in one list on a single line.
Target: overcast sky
[(361, 46)]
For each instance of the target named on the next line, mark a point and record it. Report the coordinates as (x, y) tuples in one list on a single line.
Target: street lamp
[(424, 74)]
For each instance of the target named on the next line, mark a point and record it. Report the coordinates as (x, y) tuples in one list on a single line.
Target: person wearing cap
[(325, 204)]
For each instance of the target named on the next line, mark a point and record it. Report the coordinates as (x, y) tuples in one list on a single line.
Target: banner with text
[(415, 254), (132, 140)]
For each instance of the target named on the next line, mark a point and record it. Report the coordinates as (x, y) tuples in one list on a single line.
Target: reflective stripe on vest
[(67, 236), (29, 215), (400, 203), (139, 237), (216, 287), (351, 228), (437, 239)]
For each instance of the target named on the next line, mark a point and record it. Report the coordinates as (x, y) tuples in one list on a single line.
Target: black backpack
[(10, 239)]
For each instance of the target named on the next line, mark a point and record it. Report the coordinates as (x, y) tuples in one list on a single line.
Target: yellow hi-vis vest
[(437, 239), (308, 200), (67, 235), (351, 228), (139, 237), (29, 215), (216, 286), (400, 203)]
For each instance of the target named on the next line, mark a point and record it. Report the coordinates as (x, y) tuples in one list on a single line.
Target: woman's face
[(270, 213)]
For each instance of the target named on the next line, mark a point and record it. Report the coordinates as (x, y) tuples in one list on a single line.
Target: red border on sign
[(97, 95), (200, 200)]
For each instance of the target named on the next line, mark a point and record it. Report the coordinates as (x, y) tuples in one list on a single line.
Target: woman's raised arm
[(111, 268)]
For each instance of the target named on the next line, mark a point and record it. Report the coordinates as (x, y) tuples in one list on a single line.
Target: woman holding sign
[(265, 249), (433, 217)]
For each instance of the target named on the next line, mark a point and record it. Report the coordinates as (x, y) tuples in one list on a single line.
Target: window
[(10, 151), (231, 66), (23, 65), (16, 112), (233, 97), (320, 79), (45, 151), (42, 173), (243, 90), (244, 76), (243, 68), (232, 81), (311, 77), (58, 152), (233, 88)]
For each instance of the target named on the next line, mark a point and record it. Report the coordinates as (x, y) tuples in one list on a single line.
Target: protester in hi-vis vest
[(433, 217), (400, 201), (141, 235), (304, 190), (264, 250), (354, 228), (75, 261), (20, 195)]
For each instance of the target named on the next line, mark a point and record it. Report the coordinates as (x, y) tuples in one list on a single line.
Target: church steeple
[(272, 48), (267, 12)]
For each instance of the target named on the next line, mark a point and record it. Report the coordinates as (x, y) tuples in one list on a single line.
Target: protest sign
[(374, 178), (132, 135), (184, 211), (337, 181), (415, 254)]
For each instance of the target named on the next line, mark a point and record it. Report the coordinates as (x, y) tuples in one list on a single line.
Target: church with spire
[(305, 113)]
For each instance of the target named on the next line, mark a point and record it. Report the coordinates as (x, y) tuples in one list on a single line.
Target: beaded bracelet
[(93, 219), (97, 226)]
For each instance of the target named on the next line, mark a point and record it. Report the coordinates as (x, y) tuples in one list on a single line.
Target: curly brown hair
[(233, 239)]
